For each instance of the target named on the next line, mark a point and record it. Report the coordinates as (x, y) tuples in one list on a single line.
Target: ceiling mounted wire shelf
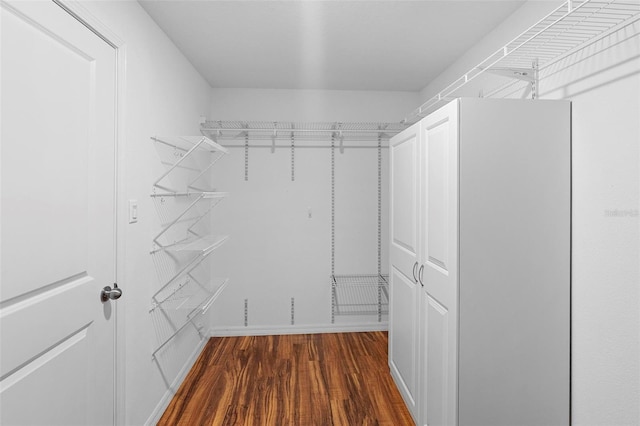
[(298, 131), (572, 25)]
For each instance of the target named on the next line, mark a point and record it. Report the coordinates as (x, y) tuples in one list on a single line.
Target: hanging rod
[(564, 30)]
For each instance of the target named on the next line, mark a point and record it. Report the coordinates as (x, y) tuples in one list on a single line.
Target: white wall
[(276, 251), (164, 96), (310, 105), (603, 82)]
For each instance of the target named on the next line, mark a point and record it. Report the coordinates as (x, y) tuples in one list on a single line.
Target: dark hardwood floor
[(311, 379)]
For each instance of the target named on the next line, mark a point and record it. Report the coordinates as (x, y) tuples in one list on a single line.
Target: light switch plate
[(133, 211)]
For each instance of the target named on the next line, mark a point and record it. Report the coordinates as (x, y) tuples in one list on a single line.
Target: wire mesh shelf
[(200, 194), (187, 143), (310, 131), (201, 245), (573, 24), (184, 303), (194, 299), (188, 159), (190, 295), (189, 214), (360, 294)]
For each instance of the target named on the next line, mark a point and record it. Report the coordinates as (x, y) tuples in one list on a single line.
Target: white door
[(438, 272), (57, 219), (405, 195)]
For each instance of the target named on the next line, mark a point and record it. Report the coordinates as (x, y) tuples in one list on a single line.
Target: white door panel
[(404, 188), (437, 358), (438, 214), (36, 313), (405, 198), (57, 218), (404, 237), (439, 310), (29, 396), (38, 172), (403, 332)]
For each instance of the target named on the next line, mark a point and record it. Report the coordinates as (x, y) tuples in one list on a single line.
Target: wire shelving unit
[(300, 132), (183, 194), (573, 24)]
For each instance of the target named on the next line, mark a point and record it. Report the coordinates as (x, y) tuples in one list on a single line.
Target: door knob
[(110, 293)]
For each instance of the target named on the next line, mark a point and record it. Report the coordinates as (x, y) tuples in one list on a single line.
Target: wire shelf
[(311, 131), (186, 143), (201, 194), (183, 217), (191, 295), (188, 159), (201, 245), (195, 299), (567, 28), (360, 294)]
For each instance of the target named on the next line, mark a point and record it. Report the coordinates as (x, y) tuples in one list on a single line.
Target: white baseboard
[(169, 394), (296, 329)]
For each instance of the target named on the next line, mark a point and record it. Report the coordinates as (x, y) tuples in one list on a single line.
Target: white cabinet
[(493, 277)]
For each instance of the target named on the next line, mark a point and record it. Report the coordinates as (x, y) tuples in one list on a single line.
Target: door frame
[(79, 12)]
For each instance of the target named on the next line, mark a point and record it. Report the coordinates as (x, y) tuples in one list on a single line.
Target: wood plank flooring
[(310, 379)]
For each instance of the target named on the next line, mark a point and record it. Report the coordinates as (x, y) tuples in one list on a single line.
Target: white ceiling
[(331, 44)]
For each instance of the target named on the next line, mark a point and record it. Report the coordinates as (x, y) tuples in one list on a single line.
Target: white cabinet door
[(439, 267), (57, 219), (405, 203)]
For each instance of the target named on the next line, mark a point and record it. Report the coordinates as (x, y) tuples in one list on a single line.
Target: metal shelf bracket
[(528, 75)]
